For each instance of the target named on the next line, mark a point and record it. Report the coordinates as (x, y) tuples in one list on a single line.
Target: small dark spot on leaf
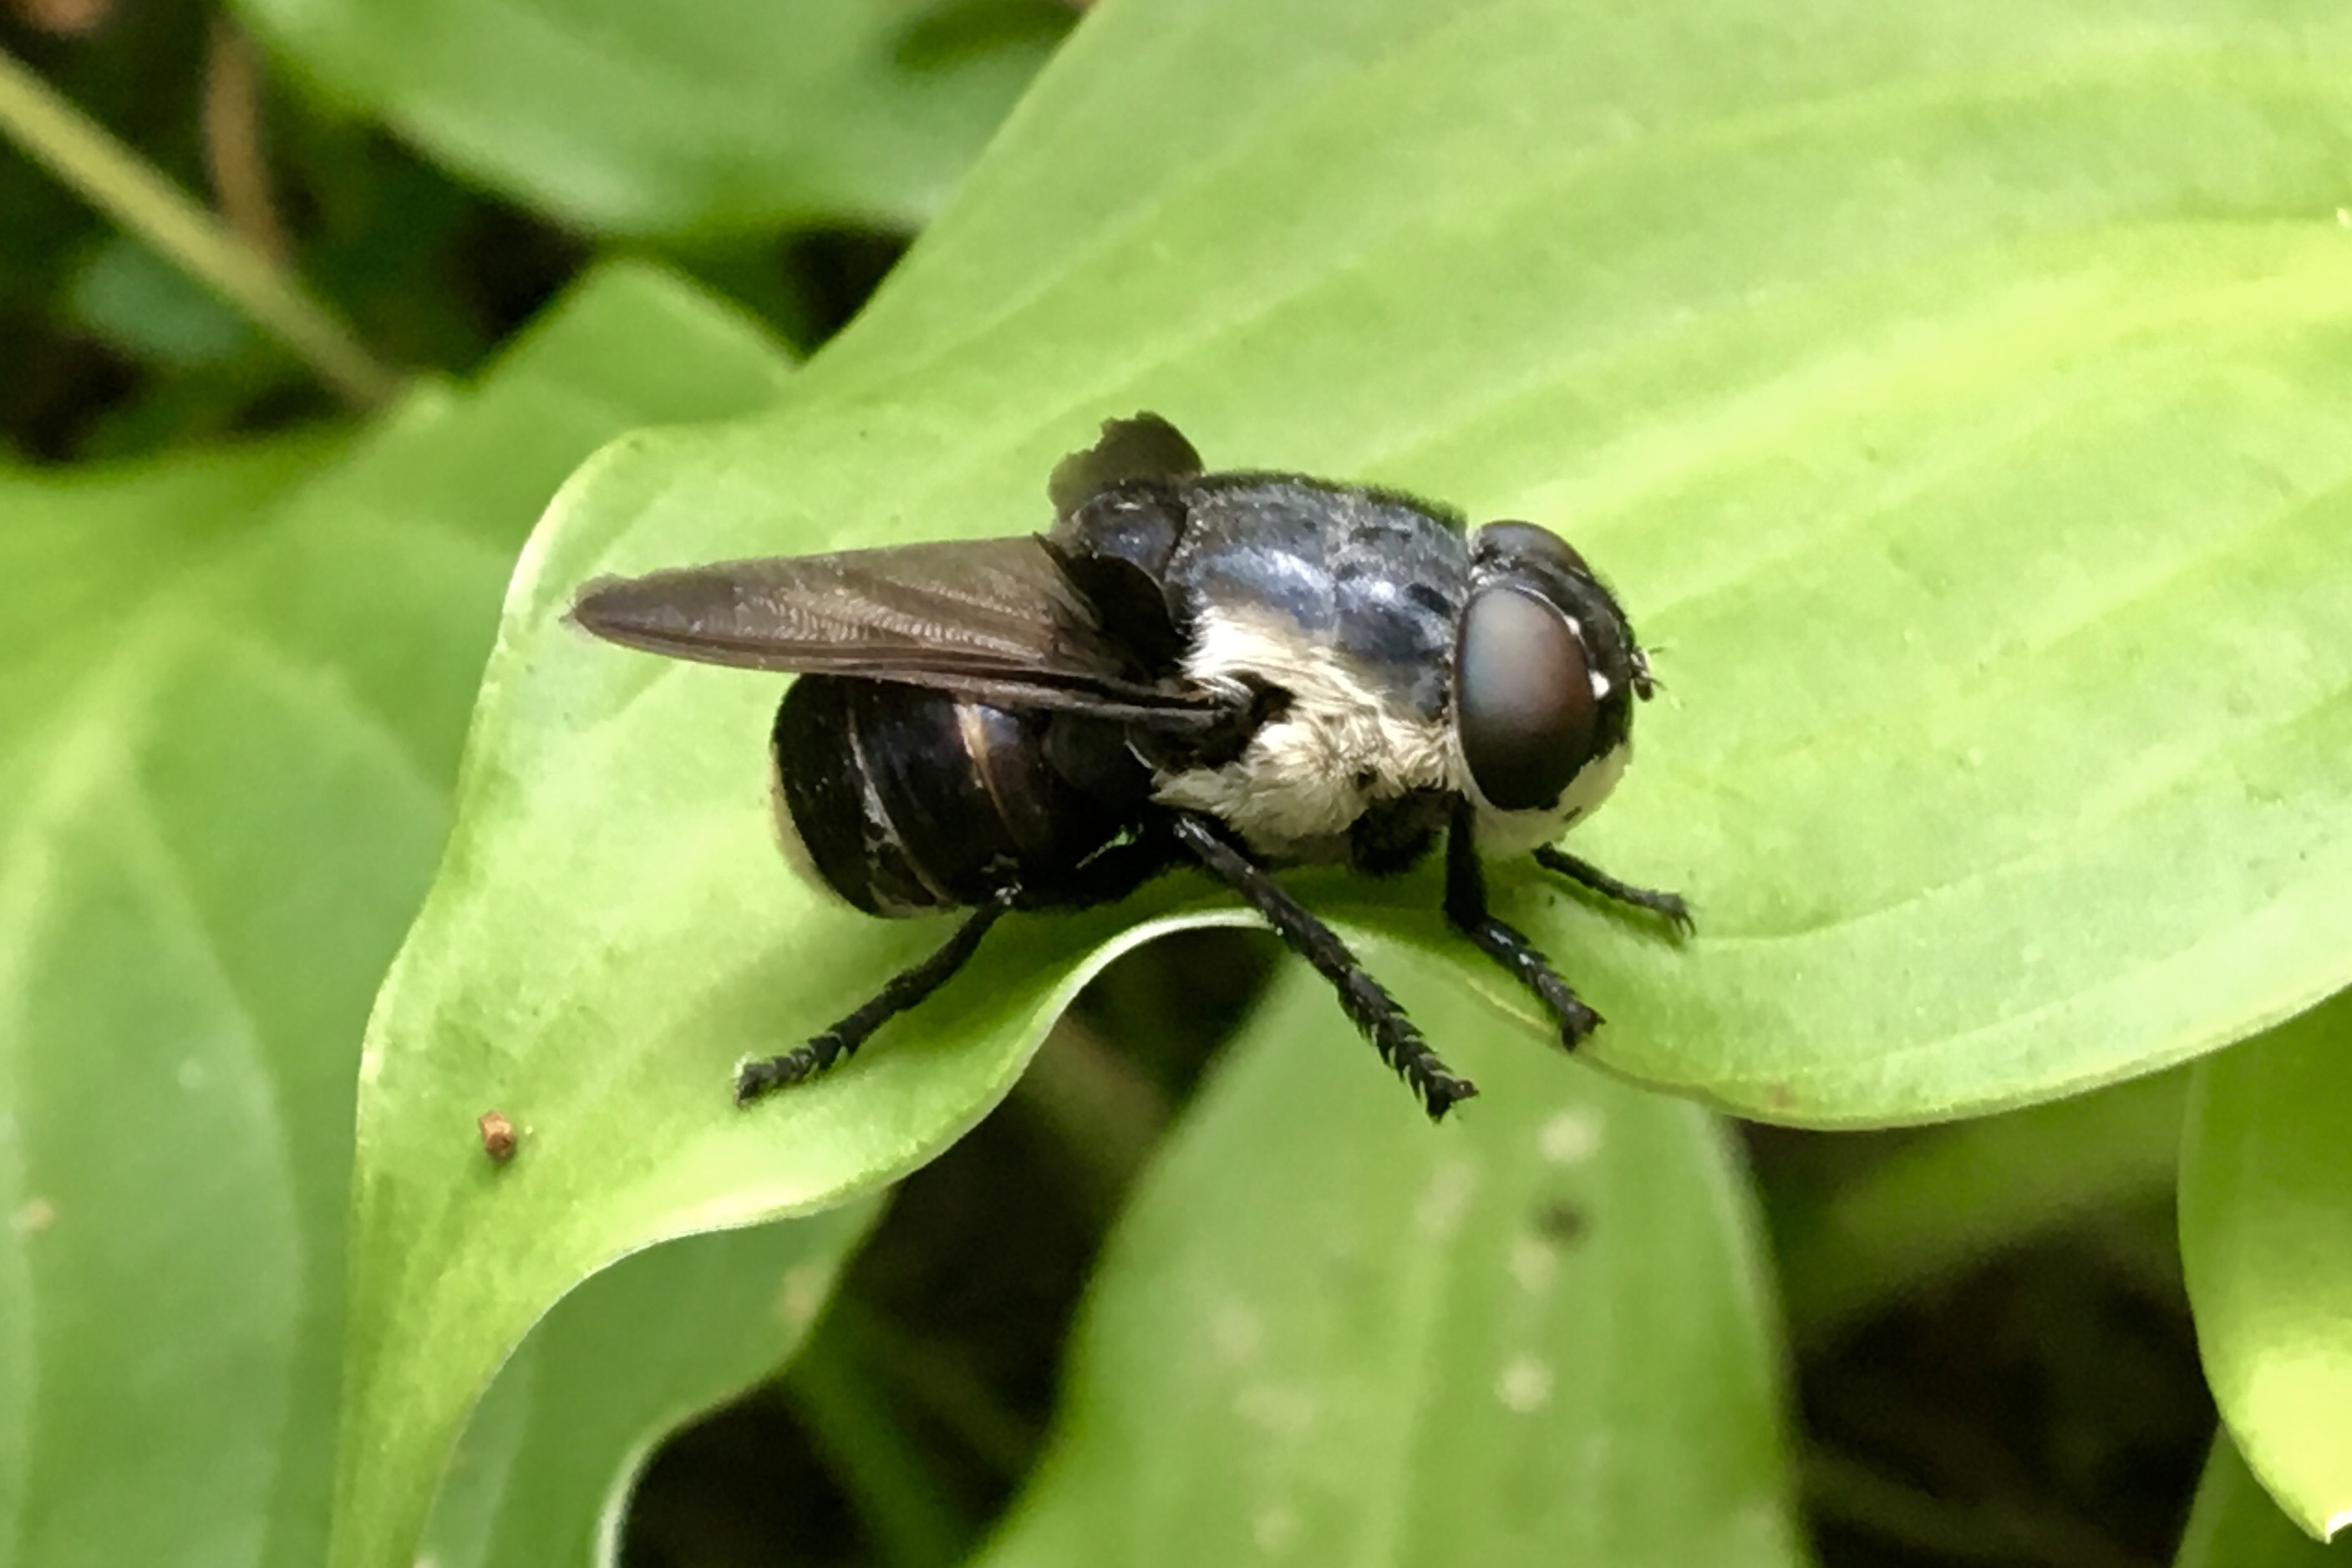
[(1562, 1223)]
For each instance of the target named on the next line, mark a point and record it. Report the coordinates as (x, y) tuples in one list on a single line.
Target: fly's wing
[(997, 620)]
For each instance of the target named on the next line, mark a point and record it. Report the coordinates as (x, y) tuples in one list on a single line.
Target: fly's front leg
[(1363, 998), (755, 1079), (1668, 906), (1465, 906)]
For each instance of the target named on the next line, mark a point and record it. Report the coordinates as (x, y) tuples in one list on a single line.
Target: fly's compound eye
[(1523, 704)]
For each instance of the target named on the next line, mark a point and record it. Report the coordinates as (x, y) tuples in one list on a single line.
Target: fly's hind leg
[(755, 1079), (1465, 906), (1363, 998)]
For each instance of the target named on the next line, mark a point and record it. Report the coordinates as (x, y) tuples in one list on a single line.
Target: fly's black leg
[(1465, 906), (754, 1079), (1667, 907), (1370, 1008)]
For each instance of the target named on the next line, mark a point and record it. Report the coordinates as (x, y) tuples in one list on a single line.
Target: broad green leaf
[(234, 695), (1323, 1333), (653, 349), (1958, 393), (2235, 1525), (2266, 1240), (145, 1339), (725, 116), (545, 1468)]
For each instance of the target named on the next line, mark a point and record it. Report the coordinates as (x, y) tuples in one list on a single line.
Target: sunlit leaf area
[(1948, 404)]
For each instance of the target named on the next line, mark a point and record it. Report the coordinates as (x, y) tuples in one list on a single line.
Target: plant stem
[(118, 182), (233, 155)]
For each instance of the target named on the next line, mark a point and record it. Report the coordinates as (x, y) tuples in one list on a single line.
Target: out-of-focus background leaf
[(2266, 1235), (1322, 1333), (235, 690), (2236, 1525), (1945, 1199), (713, 119), (544, 1471)]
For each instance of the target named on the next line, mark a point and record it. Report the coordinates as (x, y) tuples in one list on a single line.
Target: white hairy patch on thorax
[(1339, 747)]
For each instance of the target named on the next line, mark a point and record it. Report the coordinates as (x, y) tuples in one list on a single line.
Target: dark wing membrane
[(995, 619)]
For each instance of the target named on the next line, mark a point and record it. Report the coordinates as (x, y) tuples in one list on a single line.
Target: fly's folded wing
[(998, 620)]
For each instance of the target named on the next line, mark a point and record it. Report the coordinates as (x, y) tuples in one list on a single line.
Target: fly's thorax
[(1375, 578), (1343, 600)]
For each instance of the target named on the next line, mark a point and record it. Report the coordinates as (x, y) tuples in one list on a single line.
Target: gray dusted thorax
[(1368, 577)]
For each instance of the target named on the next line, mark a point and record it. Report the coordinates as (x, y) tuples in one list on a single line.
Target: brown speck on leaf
[(498, 1136)]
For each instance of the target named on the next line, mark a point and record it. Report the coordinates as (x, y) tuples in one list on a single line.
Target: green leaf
[(546, 1463), (1958, 394), (1323, 1333), (655, 349), (153, 1285), (2235, 1525), (144, 306), (232, 693), (2266, 1240), (2002, 753), (727, 115)]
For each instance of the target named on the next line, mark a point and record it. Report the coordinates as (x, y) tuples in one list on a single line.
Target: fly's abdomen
[(905, 800)]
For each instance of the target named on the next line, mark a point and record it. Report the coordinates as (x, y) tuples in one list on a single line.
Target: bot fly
[(1236, 671)]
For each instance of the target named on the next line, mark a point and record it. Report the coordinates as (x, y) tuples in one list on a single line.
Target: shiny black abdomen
[(906, 800)]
